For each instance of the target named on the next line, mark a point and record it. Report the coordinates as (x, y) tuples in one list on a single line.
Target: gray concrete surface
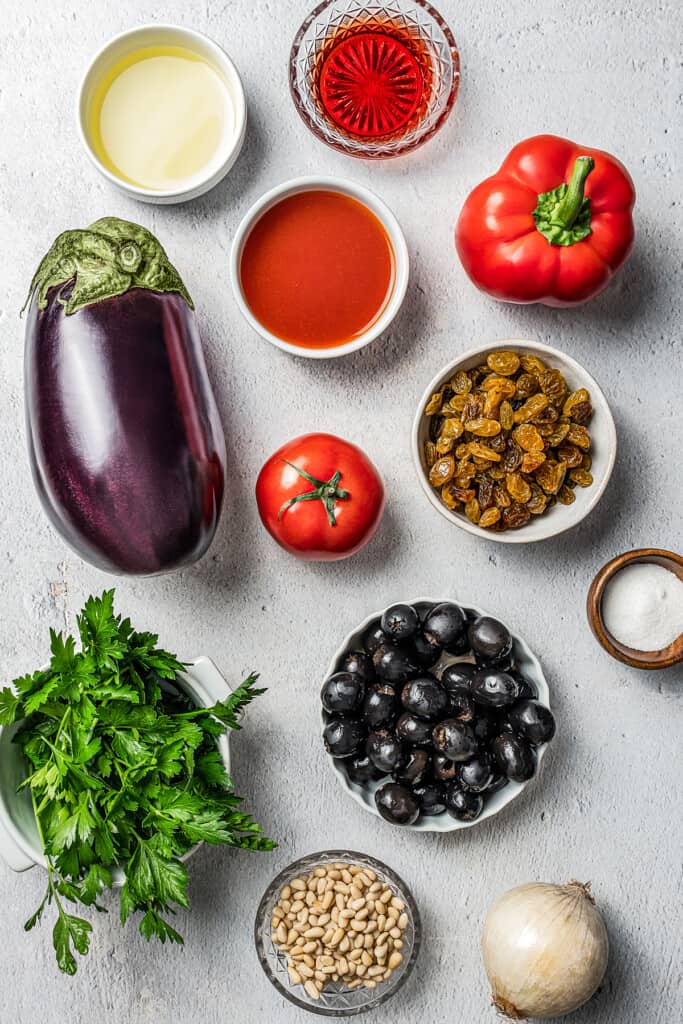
[(607, 807)]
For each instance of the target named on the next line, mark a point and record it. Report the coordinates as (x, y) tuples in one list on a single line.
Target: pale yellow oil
[(159, 117)]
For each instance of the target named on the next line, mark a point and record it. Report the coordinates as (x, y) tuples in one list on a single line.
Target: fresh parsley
[(124, 771)]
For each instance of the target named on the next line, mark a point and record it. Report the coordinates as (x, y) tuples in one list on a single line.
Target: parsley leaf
[(122, 770)]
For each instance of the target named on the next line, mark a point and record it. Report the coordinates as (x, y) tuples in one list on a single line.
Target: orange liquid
[(317, 269)]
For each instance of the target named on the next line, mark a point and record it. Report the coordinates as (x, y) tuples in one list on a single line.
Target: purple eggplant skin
[(125, 441)]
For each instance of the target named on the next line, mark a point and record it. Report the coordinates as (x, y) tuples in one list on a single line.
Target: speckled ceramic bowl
[(526, 662)]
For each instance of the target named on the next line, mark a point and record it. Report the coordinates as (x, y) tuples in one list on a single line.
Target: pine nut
[(366, 958), (298, 884), (394, 960), (403, 922), (312, 990), (337, 938), (371, 983), (305, 971), (375, 972)]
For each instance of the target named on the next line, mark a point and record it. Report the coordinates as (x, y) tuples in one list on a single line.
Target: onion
[(545, 949)]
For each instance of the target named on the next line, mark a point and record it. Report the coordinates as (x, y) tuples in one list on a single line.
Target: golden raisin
[(489, 517), (472, 511), (517, 487), (532, 364), (528, 438), (551, 475), (532, 407), (506, 416), (553, 385), (445, 444), (442, 471), (434, 403), (557, 434), (581, 477), (482, 451), (430, 453), (527, 385), (565, 495), (515, 516), (505, 363), (461, 383), (538, 502), (579, 436), (574, 399), (483, 427), (501, 497), (570, 454), (531, 461), (452, 428)]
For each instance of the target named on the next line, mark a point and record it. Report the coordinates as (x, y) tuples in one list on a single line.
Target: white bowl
[(20, 846), (383, 214), (165, 35), (603, 444), (528, 664)]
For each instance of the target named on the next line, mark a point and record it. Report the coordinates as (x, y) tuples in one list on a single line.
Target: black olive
[(425, 697), (444, 769), (532, 721), (445, 626), (499, 782), (397, 804), (344, 736), (400, 622), (432, 797), (454, 739), (393, 664), (461, 804), (506, 664), (456, 678), (380, 705), (527, 688), (359, 664), (426, 654), (514, 757), (385, 751), (493, 688), (342, 693), (361, 770), (374, 636), (490, 639), (414, 732), (475, 775), (415, 770), (461, 707), (485, 727)]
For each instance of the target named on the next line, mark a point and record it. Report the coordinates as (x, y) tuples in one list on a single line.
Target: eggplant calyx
[(326, 491), (106, 259)]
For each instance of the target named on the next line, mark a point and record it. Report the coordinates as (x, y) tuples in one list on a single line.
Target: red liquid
[(371, 82), (317, 269)]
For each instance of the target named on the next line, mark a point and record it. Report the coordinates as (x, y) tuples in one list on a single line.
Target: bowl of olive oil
[(161, 113)]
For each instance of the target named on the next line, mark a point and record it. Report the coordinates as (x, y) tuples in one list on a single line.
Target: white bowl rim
[(444, 822), (370, 199), (544, 526), (199, 183)]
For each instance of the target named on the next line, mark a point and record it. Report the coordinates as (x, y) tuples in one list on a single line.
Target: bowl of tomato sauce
[(319, 266)]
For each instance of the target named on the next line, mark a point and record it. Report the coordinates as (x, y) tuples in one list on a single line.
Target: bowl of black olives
[(435, 715)]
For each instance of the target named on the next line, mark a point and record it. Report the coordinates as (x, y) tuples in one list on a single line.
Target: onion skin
[(545, 950), (125, 442)]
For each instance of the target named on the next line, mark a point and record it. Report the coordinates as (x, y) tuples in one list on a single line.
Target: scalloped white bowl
[(528, 664)]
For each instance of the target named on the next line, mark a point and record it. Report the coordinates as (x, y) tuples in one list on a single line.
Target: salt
[(642, 606)]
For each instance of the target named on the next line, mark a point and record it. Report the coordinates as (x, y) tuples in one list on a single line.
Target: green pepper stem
[(326, 491), (568, 209)]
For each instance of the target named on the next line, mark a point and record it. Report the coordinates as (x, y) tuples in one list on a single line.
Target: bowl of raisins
[(514, 441), (435, 715)]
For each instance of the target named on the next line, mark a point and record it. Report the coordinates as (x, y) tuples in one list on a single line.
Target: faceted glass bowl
[(335, 1000), (434, 43)]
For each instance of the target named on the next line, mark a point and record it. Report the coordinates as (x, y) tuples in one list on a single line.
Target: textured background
[(607, 807)]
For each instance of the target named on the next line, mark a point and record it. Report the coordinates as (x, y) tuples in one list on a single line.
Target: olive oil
[(160, 116)]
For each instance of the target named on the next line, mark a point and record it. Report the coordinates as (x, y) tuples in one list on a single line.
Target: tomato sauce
[(317, 269)]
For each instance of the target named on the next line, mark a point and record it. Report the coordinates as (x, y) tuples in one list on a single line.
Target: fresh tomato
[(320, 497)]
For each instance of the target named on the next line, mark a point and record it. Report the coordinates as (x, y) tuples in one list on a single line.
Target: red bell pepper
[(553, 225)]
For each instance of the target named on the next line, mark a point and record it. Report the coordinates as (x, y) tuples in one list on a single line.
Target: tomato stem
[(326, 491)]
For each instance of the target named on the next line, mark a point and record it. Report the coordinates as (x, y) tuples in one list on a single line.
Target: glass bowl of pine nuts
[(337, 933)]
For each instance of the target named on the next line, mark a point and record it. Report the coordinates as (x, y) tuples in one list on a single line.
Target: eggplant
[(125, 442)]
